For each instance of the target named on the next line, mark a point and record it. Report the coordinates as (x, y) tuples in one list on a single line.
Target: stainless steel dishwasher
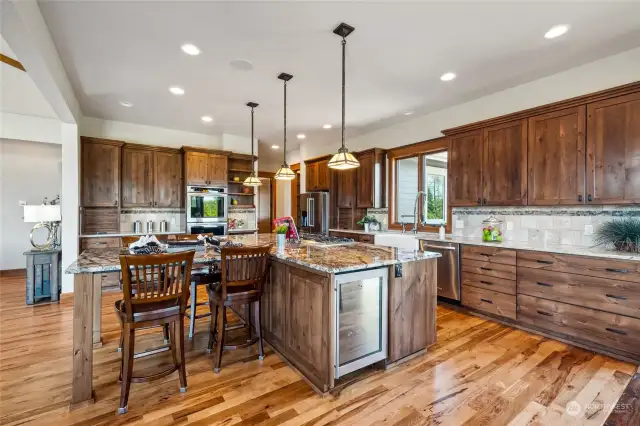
[(448, 267)]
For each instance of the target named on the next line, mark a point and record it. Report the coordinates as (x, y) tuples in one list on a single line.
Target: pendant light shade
[(252, 180), (343, 160), (285, 172)]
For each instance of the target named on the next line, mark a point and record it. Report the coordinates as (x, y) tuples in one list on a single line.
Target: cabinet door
[(504, 165), (322, 173), (365, 179), (311, 178), (137, 178), (613, 150), (100, 175), (197, 168), (274, 306), (346, 188), (218, 169), (465, 169), (167, 168), (557, 158)]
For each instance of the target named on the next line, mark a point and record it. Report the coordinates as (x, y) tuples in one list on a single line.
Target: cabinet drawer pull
[(616, 331), (487, 282), (546, 314), (486, 269), (486, 254), (487, 301), (613, 296), (100, 243), (620, 271), (544, 284), (546, 262)]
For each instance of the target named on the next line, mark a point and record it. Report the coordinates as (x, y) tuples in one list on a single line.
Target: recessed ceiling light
[(327, 126), (408, 113), (206, 118), (301, 136), (448, 76), (241, 65), (556, 31), (126, 104), (275, 146), (176, 90), (190, 49)]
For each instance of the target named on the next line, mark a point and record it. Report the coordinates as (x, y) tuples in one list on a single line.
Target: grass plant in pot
[(281, 235), (367, 222), (621, 234)]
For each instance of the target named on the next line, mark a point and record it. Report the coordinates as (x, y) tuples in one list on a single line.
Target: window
[(407, 169), (435, 187)]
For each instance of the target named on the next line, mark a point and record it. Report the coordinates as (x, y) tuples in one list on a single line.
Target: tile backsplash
[(555, 225), (174, 217), (381, 217), (245, 217)]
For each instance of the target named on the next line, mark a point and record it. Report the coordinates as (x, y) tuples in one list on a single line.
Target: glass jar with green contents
[(492, 230)]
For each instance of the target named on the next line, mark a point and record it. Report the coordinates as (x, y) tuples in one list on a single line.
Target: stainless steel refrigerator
[(313, 212)]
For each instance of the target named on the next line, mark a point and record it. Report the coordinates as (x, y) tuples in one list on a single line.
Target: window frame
[(419, 150)]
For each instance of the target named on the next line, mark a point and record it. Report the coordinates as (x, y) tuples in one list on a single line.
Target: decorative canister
[(281, 240), (492, 230)]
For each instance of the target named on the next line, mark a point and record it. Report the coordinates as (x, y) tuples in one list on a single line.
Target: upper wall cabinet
[(203, 168), (346, 184), (613, 150), (465, 169), (371, 179), (557, 157), (504, 164), (151, 177), (317, 175), (100, 172)]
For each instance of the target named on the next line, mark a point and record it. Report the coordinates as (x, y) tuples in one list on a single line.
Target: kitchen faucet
[(415, 212)]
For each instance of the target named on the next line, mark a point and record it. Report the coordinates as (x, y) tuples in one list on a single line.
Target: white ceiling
[(130, 51), (18, 93)]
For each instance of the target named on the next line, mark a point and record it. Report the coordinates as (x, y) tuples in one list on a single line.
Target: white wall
[(29, 171), (609, 72), (29, 128)]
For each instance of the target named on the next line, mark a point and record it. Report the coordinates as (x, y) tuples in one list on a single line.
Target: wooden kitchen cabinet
[(100, 172), (346, 188), (613, 150), (504, 164), (151, 177), (556, 157), (196, 168), (317, 175), (167, 169), (203, 168), (371, 179), (137, 177), (465, 169)]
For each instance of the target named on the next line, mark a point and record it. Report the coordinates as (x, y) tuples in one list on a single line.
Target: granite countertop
[(130, 234), (330, 258)]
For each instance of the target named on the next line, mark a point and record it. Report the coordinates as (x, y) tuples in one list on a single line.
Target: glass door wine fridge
[(361, 319)]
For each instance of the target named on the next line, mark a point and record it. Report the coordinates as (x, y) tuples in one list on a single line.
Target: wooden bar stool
[(199, 277), (244, 272), (155, 293)]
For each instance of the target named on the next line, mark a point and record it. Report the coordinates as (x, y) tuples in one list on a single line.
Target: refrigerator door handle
[(311, 211)]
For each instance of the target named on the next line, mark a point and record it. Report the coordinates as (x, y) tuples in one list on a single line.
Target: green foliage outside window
[(435, 197)]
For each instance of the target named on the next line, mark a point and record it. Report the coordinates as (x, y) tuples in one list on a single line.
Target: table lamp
[(45, 216)]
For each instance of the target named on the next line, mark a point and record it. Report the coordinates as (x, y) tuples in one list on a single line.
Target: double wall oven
[(207, 210)]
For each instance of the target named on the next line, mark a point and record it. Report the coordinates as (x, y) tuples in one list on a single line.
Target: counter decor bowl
[(619, 234)]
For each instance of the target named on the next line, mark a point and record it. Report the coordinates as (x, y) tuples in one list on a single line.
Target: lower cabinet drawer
[(490, 283), (110, 281), (99, 242), (366, 239), (604, 328), (489, 301), (490, 269)]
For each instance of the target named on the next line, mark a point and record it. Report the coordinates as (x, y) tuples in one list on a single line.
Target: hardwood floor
[(479, 373)]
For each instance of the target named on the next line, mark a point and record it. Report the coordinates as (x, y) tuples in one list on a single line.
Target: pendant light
[(343, 160), (285, 172), (252, 180)]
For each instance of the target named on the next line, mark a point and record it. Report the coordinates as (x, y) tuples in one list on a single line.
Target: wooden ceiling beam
[(12, 62)]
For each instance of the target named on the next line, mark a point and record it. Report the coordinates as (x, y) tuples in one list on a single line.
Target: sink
[(403, 241)]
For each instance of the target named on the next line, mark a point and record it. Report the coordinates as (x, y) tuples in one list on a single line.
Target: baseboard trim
[(13, 273)]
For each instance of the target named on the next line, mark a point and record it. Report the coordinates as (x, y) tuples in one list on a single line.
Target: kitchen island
[(299, 308)]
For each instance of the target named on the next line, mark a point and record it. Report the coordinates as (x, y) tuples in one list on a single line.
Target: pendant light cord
[(344, 46), (284, 151), (253, 164)]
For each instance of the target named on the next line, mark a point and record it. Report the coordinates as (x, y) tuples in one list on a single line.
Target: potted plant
[(619, 234), (367, 221), (281, 234)]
